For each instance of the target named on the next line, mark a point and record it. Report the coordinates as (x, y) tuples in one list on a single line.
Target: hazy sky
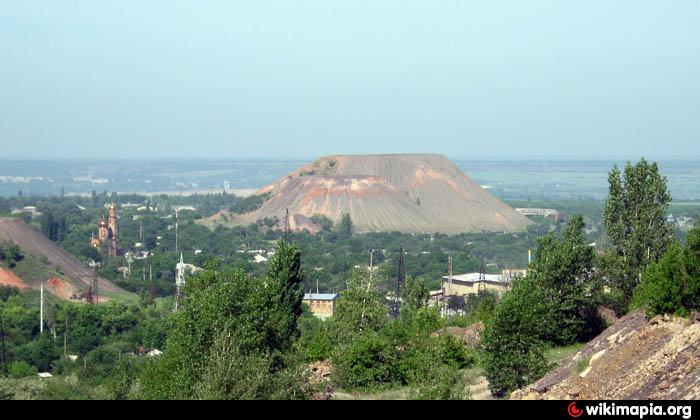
[(298, 79)]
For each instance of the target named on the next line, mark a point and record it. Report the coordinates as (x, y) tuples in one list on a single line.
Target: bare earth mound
[(8, 278), (404, 193), (633, 359), (34, 243)]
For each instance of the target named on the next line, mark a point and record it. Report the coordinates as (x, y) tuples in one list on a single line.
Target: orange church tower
[(113, 238), (112, 224), (107, 232), (102, 234)]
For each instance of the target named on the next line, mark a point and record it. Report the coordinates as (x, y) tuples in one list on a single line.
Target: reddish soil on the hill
[(77, 274), (8, 278), (383, 193)]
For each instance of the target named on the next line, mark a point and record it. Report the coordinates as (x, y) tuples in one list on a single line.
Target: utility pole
[(446, 293), (95, 285), (2, 345), (41, 310), (371, 264), (449, 273), (65, 334), (400, 279), (129, 260)]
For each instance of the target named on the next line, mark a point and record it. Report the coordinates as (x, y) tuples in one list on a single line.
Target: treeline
[(329, 256), (104, 343), (241, 337), (556, 303)]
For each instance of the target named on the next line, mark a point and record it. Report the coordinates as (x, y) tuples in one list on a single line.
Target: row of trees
[(233, 335), (240, 336), (104, 338), (556, 303)]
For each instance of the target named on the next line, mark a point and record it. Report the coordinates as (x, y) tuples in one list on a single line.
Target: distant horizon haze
[(485, 158), (503, 80)]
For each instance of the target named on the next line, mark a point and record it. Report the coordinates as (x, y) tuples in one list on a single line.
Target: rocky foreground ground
[(635, 358)]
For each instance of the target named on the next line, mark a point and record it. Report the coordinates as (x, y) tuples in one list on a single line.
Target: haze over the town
[(307, 78)]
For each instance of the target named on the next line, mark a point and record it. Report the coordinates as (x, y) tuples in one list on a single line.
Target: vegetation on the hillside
[(550, 306), (672, 285), (250, 203), (105, 339), (10, 254), (147, 224), (231, 337), (556, 303)]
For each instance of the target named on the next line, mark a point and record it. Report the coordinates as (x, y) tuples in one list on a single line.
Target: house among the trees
[(322, 305)]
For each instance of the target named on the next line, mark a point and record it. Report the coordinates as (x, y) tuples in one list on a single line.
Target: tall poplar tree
[(635, 222)]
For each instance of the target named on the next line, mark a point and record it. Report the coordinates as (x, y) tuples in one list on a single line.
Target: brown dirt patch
[(8, 278), (60, 288)]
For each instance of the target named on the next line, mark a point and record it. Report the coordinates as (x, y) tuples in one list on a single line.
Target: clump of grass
[(582, 364)]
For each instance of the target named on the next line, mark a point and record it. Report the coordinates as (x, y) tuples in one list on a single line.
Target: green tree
[(284, 280), (635, 222), (360, 308), (562, 268), (346, 226), (512, 350), (415, 294), (227, 319), (21, 369), (12, 254), (549, 306), (672, 285), (40, 353), (368, 361)]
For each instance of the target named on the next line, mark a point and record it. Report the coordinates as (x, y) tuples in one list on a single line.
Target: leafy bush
[(513, 352), (232, 335), (368, 362), (440, 382), (316, 342), (40, 353), (250, 203), (672, 285), (21, 369)]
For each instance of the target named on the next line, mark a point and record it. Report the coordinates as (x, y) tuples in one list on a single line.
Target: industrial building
[(474, 283)]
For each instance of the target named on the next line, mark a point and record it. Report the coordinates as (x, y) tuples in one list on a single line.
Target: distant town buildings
[(28, 209), (21, 179), (322, 305), (90, 179)]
